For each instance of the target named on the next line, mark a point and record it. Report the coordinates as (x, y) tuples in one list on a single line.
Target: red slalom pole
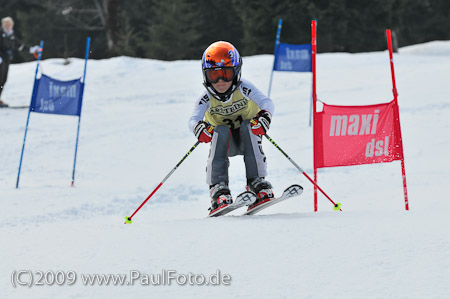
[(397, 115), (314, 98), (128, 219), (336, 205), (391, 61)]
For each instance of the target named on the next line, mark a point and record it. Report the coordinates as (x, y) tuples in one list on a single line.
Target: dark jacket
[(8, 44)]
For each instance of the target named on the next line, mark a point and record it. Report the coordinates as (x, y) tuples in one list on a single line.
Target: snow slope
[(134, 131)]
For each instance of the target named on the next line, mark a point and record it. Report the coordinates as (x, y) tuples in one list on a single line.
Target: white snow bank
[(434, 48)]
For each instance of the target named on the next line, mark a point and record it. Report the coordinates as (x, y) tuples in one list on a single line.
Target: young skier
[(233, 115)]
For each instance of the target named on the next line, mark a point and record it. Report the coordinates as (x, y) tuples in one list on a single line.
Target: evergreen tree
[(259, 23), (219, 21), (182, 29), (174, 32)]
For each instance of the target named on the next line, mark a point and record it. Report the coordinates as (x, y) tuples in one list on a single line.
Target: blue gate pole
[(277, 42), (86, 56), (35, 88)]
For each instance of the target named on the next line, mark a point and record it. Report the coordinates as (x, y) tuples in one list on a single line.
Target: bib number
[(231, 123)]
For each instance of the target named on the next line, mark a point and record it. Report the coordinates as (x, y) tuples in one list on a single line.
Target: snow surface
[(134, 131)]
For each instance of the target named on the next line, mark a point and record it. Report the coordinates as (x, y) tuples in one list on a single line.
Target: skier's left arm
[(261, 122)]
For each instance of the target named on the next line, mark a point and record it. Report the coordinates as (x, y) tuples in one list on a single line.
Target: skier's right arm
[(201, 129)]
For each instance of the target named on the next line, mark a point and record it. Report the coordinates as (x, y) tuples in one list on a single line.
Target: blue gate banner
[(293, 58), (57, 97)]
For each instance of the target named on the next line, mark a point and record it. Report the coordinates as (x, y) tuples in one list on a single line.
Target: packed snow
[(134, 131)]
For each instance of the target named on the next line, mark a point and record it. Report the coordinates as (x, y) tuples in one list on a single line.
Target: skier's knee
[(244, 127)]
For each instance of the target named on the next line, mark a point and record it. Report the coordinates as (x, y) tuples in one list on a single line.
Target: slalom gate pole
[(312, 109), (337, 206), (128, 218), (86, 57), (35, 87), (397, 115), (314, 99), (275, 52)]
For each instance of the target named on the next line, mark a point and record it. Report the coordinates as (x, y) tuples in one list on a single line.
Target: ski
[(246, 198), (292, 191)]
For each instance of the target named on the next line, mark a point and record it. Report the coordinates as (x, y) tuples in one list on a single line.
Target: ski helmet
[(221, 60)]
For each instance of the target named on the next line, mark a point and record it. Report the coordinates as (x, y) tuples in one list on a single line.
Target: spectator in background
[(8, 44)]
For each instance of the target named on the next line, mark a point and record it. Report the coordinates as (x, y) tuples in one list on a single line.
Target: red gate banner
[(354, 135)]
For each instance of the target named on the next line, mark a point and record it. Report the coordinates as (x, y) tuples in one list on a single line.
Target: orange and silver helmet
[(221, 60)]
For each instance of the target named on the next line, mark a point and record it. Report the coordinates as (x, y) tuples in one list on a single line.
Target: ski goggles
[(227, 74)]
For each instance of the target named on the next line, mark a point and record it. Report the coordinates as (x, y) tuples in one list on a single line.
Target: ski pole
[(128, 218), (337, 206)]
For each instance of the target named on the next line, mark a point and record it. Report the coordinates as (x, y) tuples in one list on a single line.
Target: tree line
[(182, 29)]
